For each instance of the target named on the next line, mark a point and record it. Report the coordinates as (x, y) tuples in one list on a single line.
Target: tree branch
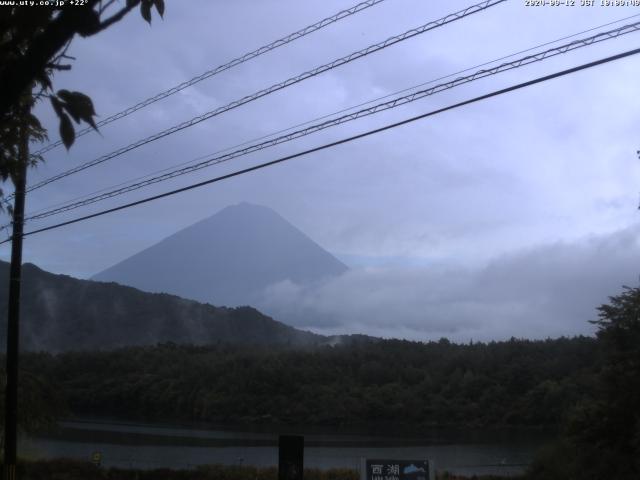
[(104, 7), (116, 17), (58, 66), (18, 75)]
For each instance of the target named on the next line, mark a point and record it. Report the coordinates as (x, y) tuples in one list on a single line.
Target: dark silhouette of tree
[(608, 430), (33, 45), (34, 40), (602, 438)]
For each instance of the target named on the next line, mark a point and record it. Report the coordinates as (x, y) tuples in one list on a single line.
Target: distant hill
[(227, 259), (63, 313)]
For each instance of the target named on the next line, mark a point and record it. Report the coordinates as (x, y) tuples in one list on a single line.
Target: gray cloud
[(546, 291)]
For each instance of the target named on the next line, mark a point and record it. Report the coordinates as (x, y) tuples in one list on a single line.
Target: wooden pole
[(15, 279)]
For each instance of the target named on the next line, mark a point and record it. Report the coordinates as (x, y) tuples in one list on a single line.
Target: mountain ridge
[(61, 313)]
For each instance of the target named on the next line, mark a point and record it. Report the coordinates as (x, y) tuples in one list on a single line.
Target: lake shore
[(149, 447), (67, 469)]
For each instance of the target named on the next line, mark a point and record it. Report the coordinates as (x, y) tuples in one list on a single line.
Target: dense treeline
[(41, 404), (518, 382)]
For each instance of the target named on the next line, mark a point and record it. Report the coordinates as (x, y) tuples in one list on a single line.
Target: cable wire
[(340, 142), (221, 68), (396, 102), (323, 117), (278, 86)]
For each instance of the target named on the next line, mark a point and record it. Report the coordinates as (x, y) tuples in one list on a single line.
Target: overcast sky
[(513, 216)]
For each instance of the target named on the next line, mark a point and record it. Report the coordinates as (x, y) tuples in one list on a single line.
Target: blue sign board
[(397, 469)]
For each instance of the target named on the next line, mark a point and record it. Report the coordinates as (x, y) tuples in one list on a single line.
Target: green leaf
[(86, 103), (67, 132), (84, 107), (34, 122), (159, 6), (57, 105), (132, 3), (36, 131), (79, 106), (43, 79), (145, 10), (71, 111), (64, 95), (90, 23)]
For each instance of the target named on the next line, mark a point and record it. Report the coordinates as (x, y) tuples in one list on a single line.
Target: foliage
[(66, 469), (10, 134), (519, 382), (602, 438), (554, 462), (33, 45), (41, 404)]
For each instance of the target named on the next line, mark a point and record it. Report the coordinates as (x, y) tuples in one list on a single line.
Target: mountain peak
[(229, 258), (246, 206)]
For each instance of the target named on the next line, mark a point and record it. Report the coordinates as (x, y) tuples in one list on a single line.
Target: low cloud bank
[(547, 291)]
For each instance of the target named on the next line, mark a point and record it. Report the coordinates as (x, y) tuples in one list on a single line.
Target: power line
[(342, 141), (227, 66), (396, 102), (323, 117), (278, 86)]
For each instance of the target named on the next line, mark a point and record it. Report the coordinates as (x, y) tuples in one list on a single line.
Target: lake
[(140, 445)]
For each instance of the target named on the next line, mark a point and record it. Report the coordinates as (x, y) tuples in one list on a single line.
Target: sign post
[(290, 457)]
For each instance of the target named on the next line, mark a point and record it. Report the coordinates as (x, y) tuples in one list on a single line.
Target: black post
[(290, 457), (15, 274)]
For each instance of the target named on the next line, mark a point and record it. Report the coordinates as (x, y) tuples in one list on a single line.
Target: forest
[(517, 382)]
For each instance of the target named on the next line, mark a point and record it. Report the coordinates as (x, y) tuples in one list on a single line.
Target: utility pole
[(15, 278)]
